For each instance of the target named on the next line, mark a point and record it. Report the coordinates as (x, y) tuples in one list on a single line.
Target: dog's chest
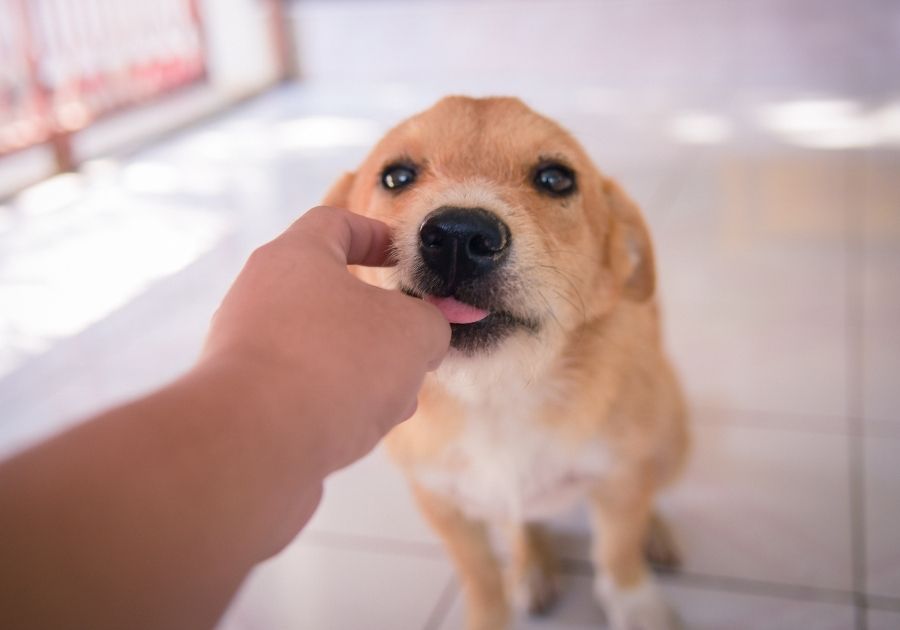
[(505, 464)]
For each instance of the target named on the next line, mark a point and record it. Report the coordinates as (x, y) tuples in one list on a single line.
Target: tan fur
[(534, 571), (469, 546), (593, 383)]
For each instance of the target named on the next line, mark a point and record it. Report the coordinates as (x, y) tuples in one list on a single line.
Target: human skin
[(151, 514)]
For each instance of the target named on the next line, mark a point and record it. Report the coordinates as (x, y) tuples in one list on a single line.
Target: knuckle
[(317, 211), (324, 220), (261, 253), (324, 213)]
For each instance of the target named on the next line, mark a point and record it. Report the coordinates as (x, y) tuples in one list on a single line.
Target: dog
[(556, 387)]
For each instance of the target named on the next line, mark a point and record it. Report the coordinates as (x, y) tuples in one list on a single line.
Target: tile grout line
[(372, 544), (855, 250), (575, 567), (775, 420), (736, 585), (442, 606), (882, 602)]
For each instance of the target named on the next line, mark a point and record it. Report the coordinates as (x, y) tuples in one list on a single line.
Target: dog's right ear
[(339, 193)]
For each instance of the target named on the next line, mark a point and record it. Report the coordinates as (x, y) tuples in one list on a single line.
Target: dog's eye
[(397, 176), (556, 179)]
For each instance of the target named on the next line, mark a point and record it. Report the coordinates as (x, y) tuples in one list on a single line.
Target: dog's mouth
[(457, 312), (475, 328)]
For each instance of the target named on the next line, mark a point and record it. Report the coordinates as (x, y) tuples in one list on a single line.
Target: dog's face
[(501, 221)]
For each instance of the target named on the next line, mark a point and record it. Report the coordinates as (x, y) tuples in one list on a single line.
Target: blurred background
[(147, 147)]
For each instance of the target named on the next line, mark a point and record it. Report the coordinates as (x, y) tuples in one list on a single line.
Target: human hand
[(335, 362)]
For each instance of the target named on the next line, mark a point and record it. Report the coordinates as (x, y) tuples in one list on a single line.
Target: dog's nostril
[(486, 244), (432, 236), (461, 244)]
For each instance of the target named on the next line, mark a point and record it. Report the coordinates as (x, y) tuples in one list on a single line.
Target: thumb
[(354, 239)]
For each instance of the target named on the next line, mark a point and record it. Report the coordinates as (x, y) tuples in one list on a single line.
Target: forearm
[(151, 514)]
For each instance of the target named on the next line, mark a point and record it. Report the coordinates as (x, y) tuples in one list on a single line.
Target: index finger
[(436, 331), (355, 239)]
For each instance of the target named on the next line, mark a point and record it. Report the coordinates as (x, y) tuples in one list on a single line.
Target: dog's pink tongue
[(455, 311)]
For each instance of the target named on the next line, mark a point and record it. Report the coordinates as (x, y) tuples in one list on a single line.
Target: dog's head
[(501, 220)]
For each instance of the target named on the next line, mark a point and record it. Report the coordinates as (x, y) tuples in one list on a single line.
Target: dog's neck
[(515, 368)]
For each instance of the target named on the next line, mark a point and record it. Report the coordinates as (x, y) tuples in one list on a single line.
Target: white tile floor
[(699, 609), (779, 254), (336, 587)]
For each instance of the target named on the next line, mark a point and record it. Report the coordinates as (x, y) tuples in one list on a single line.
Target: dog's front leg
[(622, 511), (534, 570), (469, 546)]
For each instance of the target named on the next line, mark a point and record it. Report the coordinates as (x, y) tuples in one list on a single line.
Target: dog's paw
[(488, 618), (535, 590), (638, 608), (660, 547)]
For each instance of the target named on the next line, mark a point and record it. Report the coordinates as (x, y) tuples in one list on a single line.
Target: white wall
[(241, 55)]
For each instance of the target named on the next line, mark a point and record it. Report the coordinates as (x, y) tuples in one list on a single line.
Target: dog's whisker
[(563, 297), (559, 290), (394, 276), (571, 284), (550, 309)]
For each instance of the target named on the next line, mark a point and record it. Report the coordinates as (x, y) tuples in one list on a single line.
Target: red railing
[(65, 63)]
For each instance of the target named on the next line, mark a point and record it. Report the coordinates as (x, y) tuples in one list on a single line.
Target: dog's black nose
[(460, 244)]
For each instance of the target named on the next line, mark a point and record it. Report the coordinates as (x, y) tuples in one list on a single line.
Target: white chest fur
[(505, 464)]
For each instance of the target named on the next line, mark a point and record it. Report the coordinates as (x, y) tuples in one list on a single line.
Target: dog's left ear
[(339, 193), (629, 250)]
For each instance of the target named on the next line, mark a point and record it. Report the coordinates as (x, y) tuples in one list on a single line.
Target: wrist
[(267, 461), (251, 394)]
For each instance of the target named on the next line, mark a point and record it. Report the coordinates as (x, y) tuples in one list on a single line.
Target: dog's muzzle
[(462, 253)]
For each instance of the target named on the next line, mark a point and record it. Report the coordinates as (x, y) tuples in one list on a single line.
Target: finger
[(410, 410), (389, 422), (435, 336), (355, 239)]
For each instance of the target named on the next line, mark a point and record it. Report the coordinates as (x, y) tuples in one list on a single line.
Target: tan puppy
[(556, 388)]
